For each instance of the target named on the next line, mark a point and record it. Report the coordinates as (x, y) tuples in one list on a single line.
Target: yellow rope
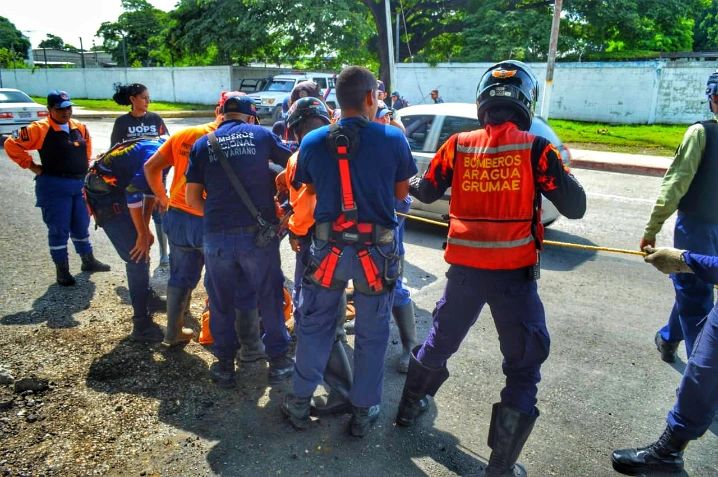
[(546, 242)]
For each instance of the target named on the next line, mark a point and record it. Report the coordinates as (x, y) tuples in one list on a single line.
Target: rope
[(578, 246)]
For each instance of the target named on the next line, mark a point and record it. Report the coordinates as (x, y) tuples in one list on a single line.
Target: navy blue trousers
[(697, 401), (234, 263), (520, 321), (694, 297), (65, 213)]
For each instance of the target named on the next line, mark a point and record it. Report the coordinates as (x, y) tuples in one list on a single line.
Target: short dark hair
[(353, 83)]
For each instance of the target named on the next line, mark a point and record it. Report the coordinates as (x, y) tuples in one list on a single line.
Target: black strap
[(232, 176)]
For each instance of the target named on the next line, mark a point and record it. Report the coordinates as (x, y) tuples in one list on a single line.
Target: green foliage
[(11, 59), (705, 30), (52, 41), (12, 39)]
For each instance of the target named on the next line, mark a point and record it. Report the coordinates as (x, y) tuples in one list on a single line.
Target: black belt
[(67, 176), (242, 230), (380, 235)]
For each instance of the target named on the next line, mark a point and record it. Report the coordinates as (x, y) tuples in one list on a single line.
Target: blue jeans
[(234, 263), (520, 321), (184, 234), (694, 297), (316, 328), (121, 232), (697, 401), (65, 213)]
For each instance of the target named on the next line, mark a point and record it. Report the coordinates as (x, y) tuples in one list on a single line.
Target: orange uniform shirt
[(176, 152), (303, 202)]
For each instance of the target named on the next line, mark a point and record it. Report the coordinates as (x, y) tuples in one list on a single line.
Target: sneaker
[(280, 368), (668, 349), (362, 419), (223, 374)]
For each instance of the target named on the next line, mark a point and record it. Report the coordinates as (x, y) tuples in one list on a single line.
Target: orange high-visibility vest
[(493, 200)]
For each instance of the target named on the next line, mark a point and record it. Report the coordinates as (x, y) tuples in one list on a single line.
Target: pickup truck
[(269, 100)]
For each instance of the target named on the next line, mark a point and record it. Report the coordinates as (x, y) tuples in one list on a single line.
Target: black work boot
[(420, 381), (338, 377), (668, 349), (176, 334), (663, 456), (507, 435), (280, 368), (362, 419), (91, 264), (64, 277), (144, 330), (223, 374), (404, 317), (296, 409), (246, 324)]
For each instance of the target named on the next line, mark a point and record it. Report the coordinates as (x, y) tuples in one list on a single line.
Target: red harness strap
[(324, 275), (371, 272)]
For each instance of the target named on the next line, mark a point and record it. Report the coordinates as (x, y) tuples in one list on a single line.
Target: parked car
[(253, 85), (269, 100), (428, 126), (17, 109)]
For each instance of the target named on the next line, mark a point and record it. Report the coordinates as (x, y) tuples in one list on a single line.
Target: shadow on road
[(57, 305), (564, 259)]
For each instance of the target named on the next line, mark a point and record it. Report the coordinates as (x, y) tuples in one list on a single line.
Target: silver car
[(17, 110), (428, 126)]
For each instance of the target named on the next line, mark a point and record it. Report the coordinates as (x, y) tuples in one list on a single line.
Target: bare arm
[(141, 250), (153, 173), (401, 189), (194, 195)]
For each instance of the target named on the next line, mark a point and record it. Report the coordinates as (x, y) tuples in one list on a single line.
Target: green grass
[(655, 139), (110, 105)]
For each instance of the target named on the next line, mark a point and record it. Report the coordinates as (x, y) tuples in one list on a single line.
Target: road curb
[(638, 169)]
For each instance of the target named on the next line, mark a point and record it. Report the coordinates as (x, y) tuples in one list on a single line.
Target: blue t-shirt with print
[(383, 159), (248, 149)]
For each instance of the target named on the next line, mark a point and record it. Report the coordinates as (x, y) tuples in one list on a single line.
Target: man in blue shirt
[(353, 239), (232, 259)]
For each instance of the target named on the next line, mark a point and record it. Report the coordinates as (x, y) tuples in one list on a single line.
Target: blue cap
[(240, 104), (382, 110), (58, 99)]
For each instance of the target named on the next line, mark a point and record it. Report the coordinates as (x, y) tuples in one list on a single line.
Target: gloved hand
[(667, 259)]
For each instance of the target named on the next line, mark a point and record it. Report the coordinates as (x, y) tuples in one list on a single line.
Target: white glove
[(667, 259)]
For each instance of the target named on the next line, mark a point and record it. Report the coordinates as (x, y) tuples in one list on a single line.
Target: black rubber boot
[(280, 368), (507, 435), (91, 264), (404, 317), (64, 277), (296, 409), (338, 378), (162, 244), (362, 419), (176, 334), (420, 382), (223, 374), (155, 302), (144, 330), (667, 349), (246, 324), (663, 456)]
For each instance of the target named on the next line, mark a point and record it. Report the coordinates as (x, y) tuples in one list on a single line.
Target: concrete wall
[(649, 92)]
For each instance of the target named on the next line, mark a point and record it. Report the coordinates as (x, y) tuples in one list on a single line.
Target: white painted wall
[(659, 91)]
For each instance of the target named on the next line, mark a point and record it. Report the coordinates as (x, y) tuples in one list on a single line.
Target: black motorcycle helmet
[(712, 87), (509, 83), (305, 108)]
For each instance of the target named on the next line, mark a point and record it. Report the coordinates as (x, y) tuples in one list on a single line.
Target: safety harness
[(343, 141)]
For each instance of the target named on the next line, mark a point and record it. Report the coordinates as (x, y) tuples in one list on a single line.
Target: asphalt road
[(603, 386)]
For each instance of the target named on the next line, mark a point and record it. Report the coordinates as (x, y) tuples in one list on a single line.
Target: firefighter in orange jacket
[(497, 175), (65, 148)]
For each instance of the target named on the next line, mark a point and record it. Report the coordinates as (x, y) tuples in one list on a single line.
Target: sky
[(68, 19)]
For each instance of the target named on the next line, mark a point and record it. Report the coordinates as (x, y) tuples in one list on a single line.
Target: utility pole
[(551, 62), (82, 54), (397, 37), (390, 44)]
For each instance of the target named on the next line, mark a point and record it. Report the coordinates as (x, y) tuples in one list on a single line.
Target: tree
[(133, 32), (52, 41), (12, 39), (705, 30)]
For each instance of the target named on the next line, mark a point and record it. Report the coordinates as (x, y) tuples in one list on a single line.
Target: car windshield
[(14, 97), (281, 85)]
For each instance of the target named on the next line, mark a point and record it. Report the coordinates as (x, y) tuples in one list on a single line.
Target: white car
[(269, 100), (17, 110), (428, 126)]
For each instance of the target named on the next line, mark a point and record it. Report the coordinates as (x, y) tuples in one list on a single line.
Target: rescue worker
[(140, 122), (435, 96), (397, 102), (183, 226), (355, 183), (697, 397), (122, 202), (65, 148), (237, 250), (497, 175), (306, 115), (689, 187), (402, 307)]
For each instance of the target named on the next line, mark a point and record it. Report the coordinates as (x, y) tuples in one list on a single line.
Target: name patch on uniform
[(491, 174)]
